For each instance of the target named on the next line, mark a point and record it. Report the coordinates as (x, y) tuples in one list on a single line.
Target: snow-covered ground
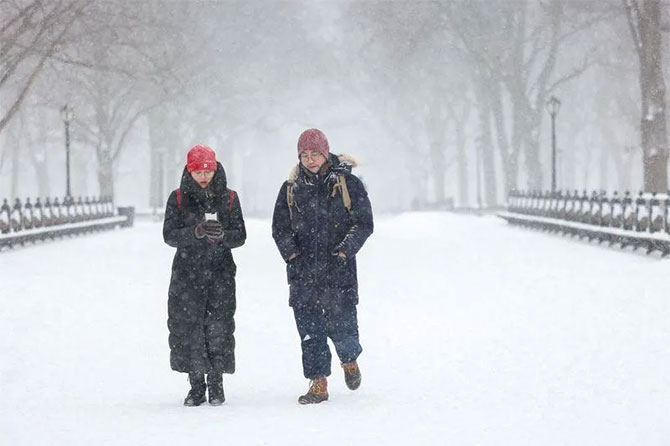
[(474, 332)]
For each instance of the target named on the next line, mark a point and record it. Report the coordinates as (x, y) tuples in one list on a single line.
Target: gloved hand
[(200, 231), (213, 231)]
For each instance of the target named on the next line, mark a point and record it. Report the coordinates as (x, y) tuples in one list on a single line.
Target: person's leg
[(342, 326), (311, 325), (316, 355), (215, 388), (220, 325), (196, 396), (186, 305)]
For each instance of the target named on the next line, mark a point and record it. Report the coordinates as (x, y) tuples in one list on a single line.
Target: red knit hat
[(200, 158), (313, 139)]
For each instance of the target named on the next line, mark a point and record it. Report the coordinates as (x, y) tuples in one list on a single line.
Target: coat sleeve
[(361, 215), (175, 232), (282, 232), (235, 233)]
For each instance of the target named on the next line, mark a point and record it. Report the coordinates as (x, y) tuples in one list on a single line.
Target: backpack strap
[(178, 192), (341, 184), (290, 200)]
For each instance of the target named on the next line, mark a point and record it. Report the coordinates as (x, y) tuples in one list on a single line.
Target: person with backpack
[(203, 220), (322, 218)]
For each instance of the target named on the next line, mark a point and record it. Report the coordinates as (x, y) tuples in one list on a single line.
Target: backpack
[(231, 195), (341, 184)]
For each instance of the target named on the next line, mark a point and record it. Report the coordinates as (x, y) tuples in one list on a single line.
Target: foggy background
[(439, 100)]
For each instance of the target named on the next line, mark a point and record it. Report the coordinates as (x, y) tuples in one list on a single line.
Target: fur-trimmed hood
[(338, 163)]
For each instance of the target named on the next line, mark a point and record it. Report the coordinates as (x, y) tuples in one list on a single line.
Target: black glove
[(213, 231), (200, 231)]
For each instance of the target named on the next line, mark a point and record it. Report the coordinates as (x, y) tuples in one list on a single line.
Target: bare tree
[(399, 74), (31, 32), (123, 66), (519, 51), (459, 114)]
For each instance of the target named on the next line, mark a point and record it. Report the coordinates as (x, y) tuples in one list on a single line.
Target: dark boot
[(318, 392), (215, 389), (196, 396), (352, 375)]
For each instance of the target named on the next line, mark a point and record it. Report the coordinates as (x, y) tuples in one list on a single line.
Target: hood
[(338, 164), (217, 186)]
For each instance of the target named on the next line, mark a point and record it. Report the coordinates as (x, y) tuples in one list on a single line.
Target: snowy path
[(474, 332)]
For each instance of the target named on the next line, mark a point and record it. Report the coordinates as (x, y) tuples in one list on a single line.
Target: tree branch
[(126, 131), (633, 16), (38, 68), (586, 64)]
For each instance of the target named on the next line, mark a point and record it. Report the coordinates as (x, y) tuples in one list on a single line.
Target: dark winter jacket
[(201, 298), (319, 226)]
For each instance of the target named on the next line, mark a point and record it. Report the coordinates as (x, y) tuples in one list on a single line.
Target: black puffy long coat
[(318, 227), (201, 298)]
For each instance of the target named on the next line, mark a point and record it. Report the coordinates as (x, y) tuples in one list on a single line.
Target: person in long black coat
[(322, 218), (203, 220)]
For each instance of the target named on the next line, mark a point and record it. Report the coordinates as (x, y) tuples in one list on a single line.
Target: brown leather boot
[(318, 392), (352, 375)]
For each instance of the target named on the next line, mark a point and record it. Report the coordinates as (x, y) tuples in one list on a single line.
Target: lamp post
[(553, 105), (67, 114)]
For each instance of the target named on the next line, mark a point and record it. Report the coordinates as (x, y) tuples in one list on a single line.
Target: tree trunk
[(419, 184), (567, 162), (532, 152), (588, 156), (653, 128), (14, 148), (156, 148), (604, 168), (509, 157), (435, 128), (644, 18), (623, 163), (175, 158), (40, 156), (438, 166), (106, 173), (489, 171), (462, 161), (486, 146)]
